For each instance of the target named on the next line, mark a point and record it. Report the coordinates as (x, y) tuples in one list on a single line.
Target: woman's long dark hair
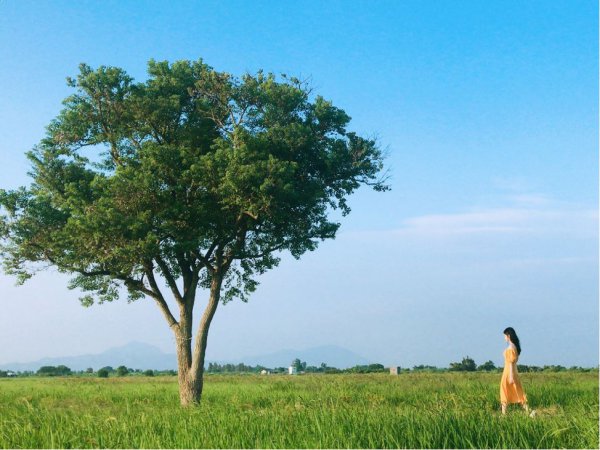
[(513, 338)]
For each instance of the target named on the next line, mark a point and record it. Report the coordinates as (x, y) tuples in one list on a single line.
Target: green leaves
[(189, 174)]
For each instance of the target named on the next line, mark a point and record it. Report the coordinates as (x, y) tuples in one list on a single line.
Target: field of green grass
[(415, 410)]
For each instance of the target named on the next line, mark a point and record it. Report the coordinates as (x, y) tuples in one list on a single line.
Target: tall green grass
[(448, 410)]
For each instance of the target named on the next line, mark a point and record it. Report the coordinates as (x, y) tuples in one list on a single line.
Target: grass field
[(416, 410)]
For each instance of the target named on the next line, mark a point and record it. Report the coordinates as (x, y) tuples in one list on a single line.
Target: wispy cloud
[(559, 261), (485, 221), (537, 200), (504, 220), (536, 215)]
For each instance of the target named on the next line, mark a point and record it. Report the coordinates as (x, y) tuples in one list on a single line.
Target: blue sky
[(488, 111)]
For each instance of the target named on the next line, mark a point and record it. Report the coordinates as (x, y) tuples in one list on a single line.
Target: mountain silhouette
[(135, 355), (138, 355)]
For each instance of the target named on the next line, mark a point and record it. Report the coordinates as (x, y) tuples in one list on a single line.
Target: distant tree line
[(123, 371), (297, 364), (104, 372), (7, 373), (466, 365), (371, 368)]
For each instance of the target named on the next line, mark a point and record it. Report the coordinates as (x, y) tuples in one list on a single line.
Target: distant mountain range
[(137, 355)]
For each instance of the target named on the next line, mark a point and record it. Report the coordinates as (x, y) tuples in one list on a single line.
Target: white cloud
[(559, 261), (485, 221), (537, 200), (570, 222), (534, 215)]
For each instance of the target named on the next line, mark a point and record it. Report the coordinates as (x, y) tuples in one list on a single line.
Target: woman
[(511, 390)]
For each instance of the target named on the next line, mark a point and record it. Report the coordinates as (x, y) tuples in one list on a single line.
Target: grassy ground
[(448, 410)]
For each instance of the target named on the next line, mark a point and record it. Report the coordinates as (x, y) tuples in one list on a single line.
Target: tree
[(102, 373), (193, 178), (297, 364), (466, 365), (426, 368), (122, 371), (376, 368), (47, 371), (63, 370), (487, 366), (54, 371)]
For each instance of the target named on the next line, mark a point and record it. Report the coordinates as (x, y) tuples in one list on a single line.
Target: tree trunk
[(191, 366), (190, 389)]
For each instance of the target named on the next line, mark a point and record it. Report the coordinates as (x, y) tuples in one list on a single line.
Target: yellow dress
[(511, 393)]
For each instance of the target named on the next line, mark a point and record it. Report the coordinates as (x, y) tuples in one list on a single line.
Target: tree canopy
[(186, 171)]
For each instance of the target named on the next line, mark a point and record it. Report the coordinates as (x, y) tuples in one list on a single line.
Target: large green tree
[(191, 179)]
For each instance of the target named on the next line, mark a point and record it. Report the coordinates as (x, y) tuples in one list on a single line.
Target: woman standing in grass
[(511, 390)]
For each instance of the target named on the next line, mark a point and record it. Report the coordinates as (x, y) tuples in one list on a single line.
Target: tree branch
[(205, 321), (265, 253), (156, 133), (249, 214), (170, 280), (130, 282), (184, 265), (205, 259), (204, 262), (160, 300), (240, 240)]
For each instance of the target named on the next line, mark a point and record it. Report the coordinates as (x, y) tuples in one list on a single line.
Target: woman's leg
[(503, 406)]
